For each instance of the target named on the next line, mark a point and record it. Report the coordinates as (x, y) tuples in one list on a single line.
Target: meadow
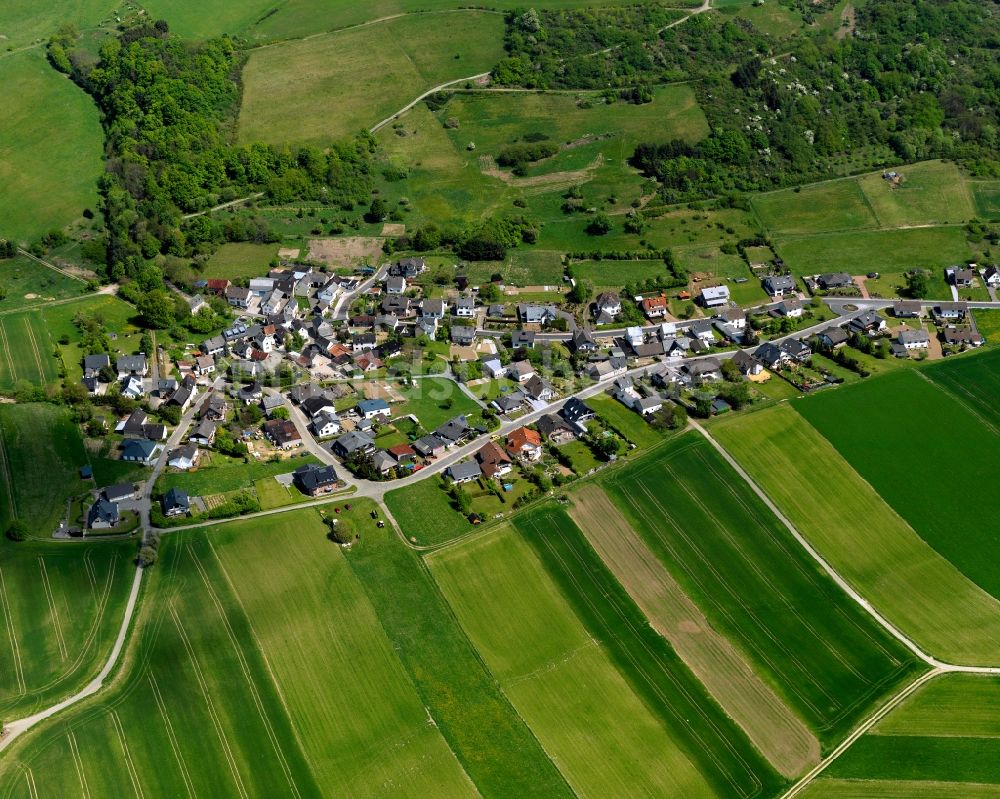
[(917, 589), (540, 641), (931, 193), (756, 585), (434, 400), (51, 146), (25, 351), (240, 261), (988, 323), (221, 692), (219, 474), (117, 316), (822, 207), (334, 85), (920, 426), (25, 283), (626, 422), (495, 746), (61, 606), (615, 274), (987, 198), (425, 514)]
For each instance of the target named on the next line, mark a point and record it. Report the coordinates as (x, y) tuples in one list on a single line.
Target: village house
[(493, 369), (635, 336), (525, 444), (493, 460), (991, 276), (217, 286), (714, 296), (530, 314), (771, 355), (522, 339), (196, 304), (733, 316), (778, 285), (577, 413), (363, 341), (395, 285), (465, 308), (353, 443), (508, 403), (175, 503), (796, 350), (184, 457), (314, 480), (465, 472), (463, 336), (607, 307), (654, 307), (834, 280), (833, 337), (950, 311), (539, 389), (204, 365), (907, 309), (583, 341), (748, 367), (371, 408), (914, 339), (430, 446), (282, 433), (961, 277), (868, 323), (325, 425), (137, 450), (204, 433), (703, 370), (131, 365), (792, 308), (962, 336), (238, 297), (403, 454), (521, 371), (93, 364), (702, 329), (102, 515), (454, 430)]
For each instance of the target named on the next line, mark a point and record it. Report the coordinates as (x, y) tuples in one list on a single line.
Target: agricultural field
[(41, 451), (495, 746), (948, 732), (48, 179), (931, 193), (877, 250), (239, 261), (819, 208), (756, 585), (25, 351), (918, 423), (61, 606), (988, 322), (986, 195), (830, 504), (24, 283), (973, 380), (542, 635), (332, 86), (222, 694), (425, 514)]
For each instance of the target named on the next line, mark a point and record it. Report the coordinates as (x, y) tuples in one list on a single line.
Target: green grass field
[(61, 605), (25, 351), (334, 85), (48, 178), (218, 474), (932, 193), (626, 422), (434, 400), (986, 195), (222, 693), (615, 274), (975, 380), (862, 536), (878, 250), (25, 284), (239, 261), (424, 513), (823, 207), (920, 425), (118, 318), (755, 584), (540, 650), (498, 750), (988, 322), (42, 452)]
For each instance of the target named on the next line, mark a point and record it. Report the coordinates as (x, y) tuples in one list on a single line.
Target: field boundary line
[(129, 764), (178, 756), (34, 349), (51, 266), (956, 393), (78, 762), (29, 778), (245, 668), (860, 730), (5, 475), (12, 633), (209, 704), (6, 349), (56, 624)]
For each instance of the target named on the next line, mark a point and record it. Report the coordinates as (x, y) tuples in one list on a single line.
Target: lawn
[(218, 474), (42, 452), (117, 315), (62, 608), (580, 456), (25, 283), (820, 208), (434, 400), (860, 534), (48, 179), (626, 422), (222, 692), (272, 494), (877, 250), (25, 351), (932, 193), (239, 261), (920, 427), (988, 322), (333, 85), (615, 274), (754, 583), (497, 749), (531, 635), (424, 513)]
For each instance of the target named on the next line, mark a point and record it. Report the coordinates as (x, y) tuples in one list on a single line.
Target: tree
[(917, 284), (156, 309), (581, 292), (730, 371), (279, 413), (736, 394), (377, 211), (147, 556), (600, 225)]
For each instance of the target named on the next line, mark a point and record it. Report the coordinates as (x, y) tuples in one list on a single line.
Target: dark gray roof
[(312, 476), (465, 470), (175, 499)]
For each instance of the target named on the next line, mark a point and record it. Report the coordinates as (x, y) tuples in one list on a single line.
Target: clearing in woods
[(781, 736), (221, 693), (831, 505), (753, 582)]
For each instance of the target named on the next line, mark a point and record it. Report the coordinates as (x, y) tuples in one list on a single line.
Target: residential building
[(907, 309), (702, 329), (508, 403), (539, 389), (131, 365), (868, 322), (654, 307), (635, 336), (778, 285), (733, 316), (714, 296), (217, 286), (454, 430), (184, 457), (238, 297), (522, 339), (914, 339), (371, 408), (363, 341), (465, 308), (796, 350), (139, 451), (102, 515), (583, 341), (175, 502), (833, 337), (703, 370), (493, 460), (962, 336), (556, 429), (521, 371), (834, 280), (93, 364), (962, 277), (204, 433), (314, 480), (771, 355), (607, 307), (118, 492), (432, 309), (577, 413), (950, 311), (353, 443), (792, 308), (325, 425), (463, 336), (282, 433), (395, 285), (530, 314), (204, 365), (430, 446), (991, 276), (747, 365), (464, 472), (492, 368), (525, 444)]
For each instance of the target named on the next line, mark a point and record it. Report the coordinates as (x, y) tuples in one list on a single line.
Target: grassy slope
[(754, 583), (920, 427), (118, 318), (334, 85), (933, 193), (23, 22), (626, 422), (20, 277), (238, 261), (61, 606), (218, 698), (229, 475), (50, 148), (541, 653), (498, 751), (823, 207), (862, 537)]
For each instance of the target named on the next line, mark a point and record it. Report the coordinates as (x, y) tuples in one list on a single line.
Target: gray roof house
[(464, 472)]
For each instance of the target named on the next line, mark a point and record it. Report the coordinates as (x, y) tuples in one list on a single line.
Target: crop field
[(41, 452), (25, 351), (879, 250), (238, 261), (219, 474), (756, 585), (221, 693), (495, 746), (542, 634), (931, 193), (334, 85), (424, 513), (987, 198), (60, 607), (26, 283), (820, 208), (918, 424), (947, 732), (862, 536), (975, 380), (48, 179), (780, 735)]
